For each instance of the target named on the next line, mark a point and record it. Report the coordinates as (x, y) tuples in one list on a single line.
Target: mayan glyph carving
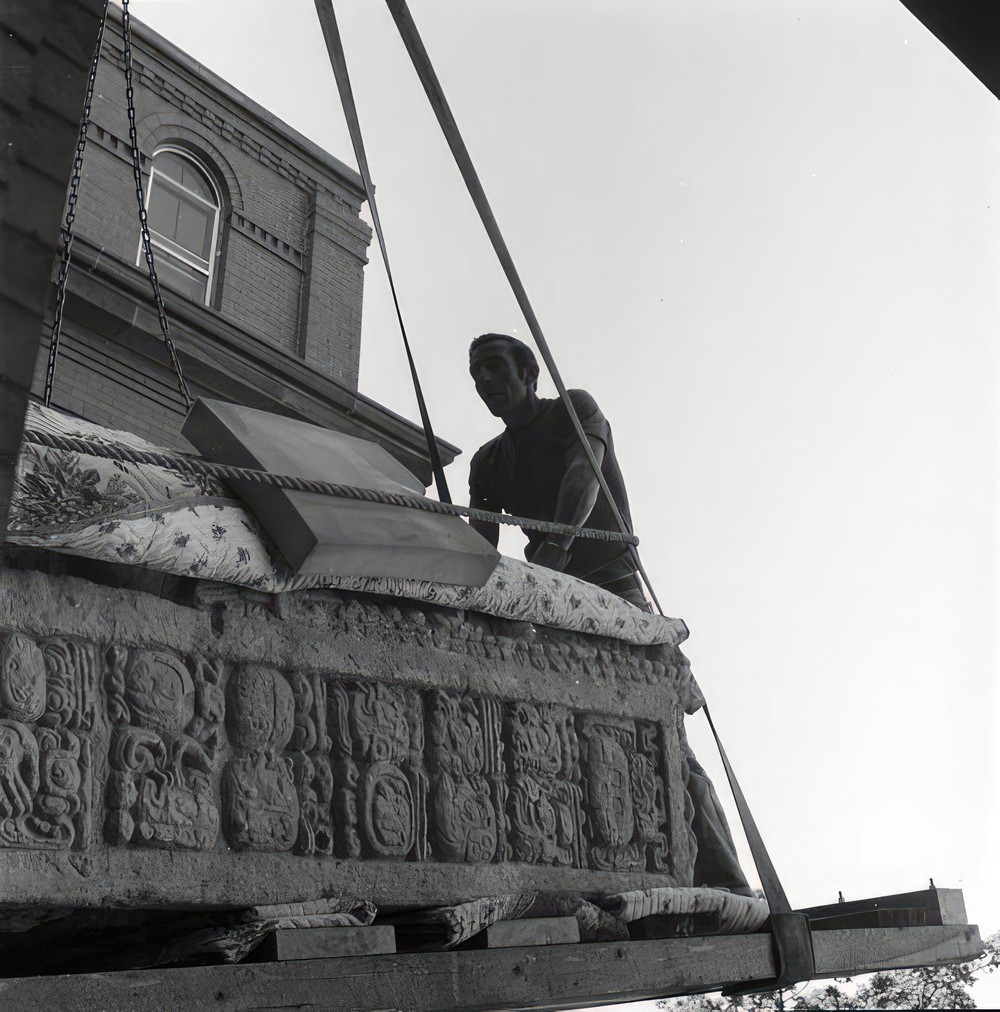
[(313, 774), (544, 802), (46, 768), (210, 704), (22, 678), (41, 786), (649, 796), (160, 791), (378, 744), (346, 773), (623, 794), (160, 787), (74, 690), (467, 790), (261, 709), (194, 751), (260, 802)]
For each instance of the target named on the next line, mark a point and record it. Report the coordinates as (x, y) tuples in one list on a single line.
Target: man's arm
[(577, 497)]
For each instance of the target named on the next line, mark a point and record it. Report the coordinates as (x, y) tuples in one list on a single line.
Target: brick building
[(260, 251)]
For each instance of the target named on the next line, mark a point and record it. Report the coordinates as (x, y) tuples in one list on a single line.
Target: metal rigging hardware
[(66, 233)]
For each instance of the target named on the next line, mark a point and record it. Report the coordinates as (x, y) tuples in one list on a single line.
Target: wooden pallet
[(518, 966), (547, 976)]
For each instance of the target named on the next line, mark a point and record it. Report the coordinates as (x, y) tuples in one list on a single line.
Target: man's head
[(506, 375)]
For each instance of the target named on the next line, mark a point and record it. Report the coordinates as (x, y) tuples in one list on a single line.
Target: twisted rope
[(228, 472)]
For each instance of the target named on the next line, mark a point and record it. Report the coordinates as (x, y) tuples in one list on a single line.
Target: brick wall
[(289, 266), (282, 329), (262, 291), (111, 386)]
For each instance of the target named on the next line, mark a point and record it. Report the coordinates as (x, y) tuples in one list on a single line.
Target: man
[(537, 468)]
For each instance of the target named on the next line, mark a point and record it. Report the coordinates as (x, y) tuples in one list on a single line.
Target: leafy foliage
[(925, 987)]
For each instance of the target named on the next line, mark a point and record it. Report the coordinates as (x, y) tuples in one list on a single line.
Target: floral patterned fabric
[(170, 520)]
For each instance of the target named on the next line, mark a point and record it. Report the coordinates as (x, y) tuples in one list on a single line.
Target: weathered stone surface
[(249, 750)]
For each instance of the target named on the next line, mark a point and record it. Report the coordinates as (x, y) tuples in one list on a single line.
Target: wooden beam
[(532, 931), (329, 943), (549, 976)]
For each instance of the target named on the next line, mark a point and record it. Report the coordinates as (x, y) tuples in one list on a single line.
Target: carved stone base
[(237, 753)]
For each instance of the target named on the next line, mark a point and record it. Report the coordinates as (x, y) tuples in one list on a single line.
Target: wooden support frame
[(544, 977), (932, 906)]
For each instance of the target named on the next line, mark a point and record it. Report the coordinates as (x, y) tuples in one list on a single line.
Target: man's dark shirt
[(521, 471)]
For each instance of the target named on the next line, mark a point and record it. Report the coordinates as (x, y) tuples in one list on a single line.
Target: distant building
[(260, 251)]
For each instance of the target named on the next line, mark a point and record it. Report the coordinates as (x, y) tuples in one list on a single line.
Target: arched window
[(183, 208)]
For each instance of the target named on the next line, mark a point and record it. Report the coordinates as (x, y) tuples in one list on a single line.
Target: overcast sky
[(764, 237)]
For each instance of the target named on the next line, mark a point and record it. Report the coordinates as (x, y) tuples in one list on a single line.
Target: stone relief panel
[(623, 794), (468, 790), (346, 773), (154, 748), (259, 798), (160, 786), (378, 745), (310, 745), (48, 718), (649, 796), (544, 803), (22, 678)]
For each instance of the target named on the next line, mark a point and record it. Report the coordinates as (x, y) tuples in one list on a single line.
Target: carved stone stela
[(50, 733), (109, 747)]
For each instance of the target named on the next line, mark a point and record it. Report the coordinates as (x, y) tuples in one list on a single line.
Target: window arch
[(183, 206)]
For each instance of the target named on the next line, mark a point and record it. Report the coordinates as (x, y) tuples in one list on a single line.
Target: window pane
[(185, 172), (179, 276), (175, 215), (194, 227), (164, 209), (183, 215)]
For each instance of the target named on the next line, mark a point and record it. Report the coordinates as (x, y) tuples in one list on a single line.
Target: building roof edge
[(213, 80)]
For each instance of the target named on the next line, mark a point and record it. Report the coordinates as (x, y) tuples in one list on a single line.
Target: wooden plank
[(329, 943), (943, 906), (532, 931), (551, 976), (865, 950)]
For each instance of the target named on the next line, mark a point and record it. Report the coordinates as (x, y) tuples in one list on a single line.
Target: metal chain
[(66, 232), (147, 246), (195, 465)]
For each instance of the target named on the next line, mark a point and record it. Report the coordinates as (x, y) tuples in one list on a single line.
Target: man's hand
[(551, 556)]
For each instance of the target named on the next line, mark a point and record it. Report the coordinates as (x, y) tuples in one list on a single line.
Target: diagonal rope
[(228, 472), (335, 49), (425, 71)]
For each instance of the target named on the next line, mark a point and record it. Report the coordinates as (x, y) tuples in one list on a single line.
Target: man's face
[(502, 386)]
